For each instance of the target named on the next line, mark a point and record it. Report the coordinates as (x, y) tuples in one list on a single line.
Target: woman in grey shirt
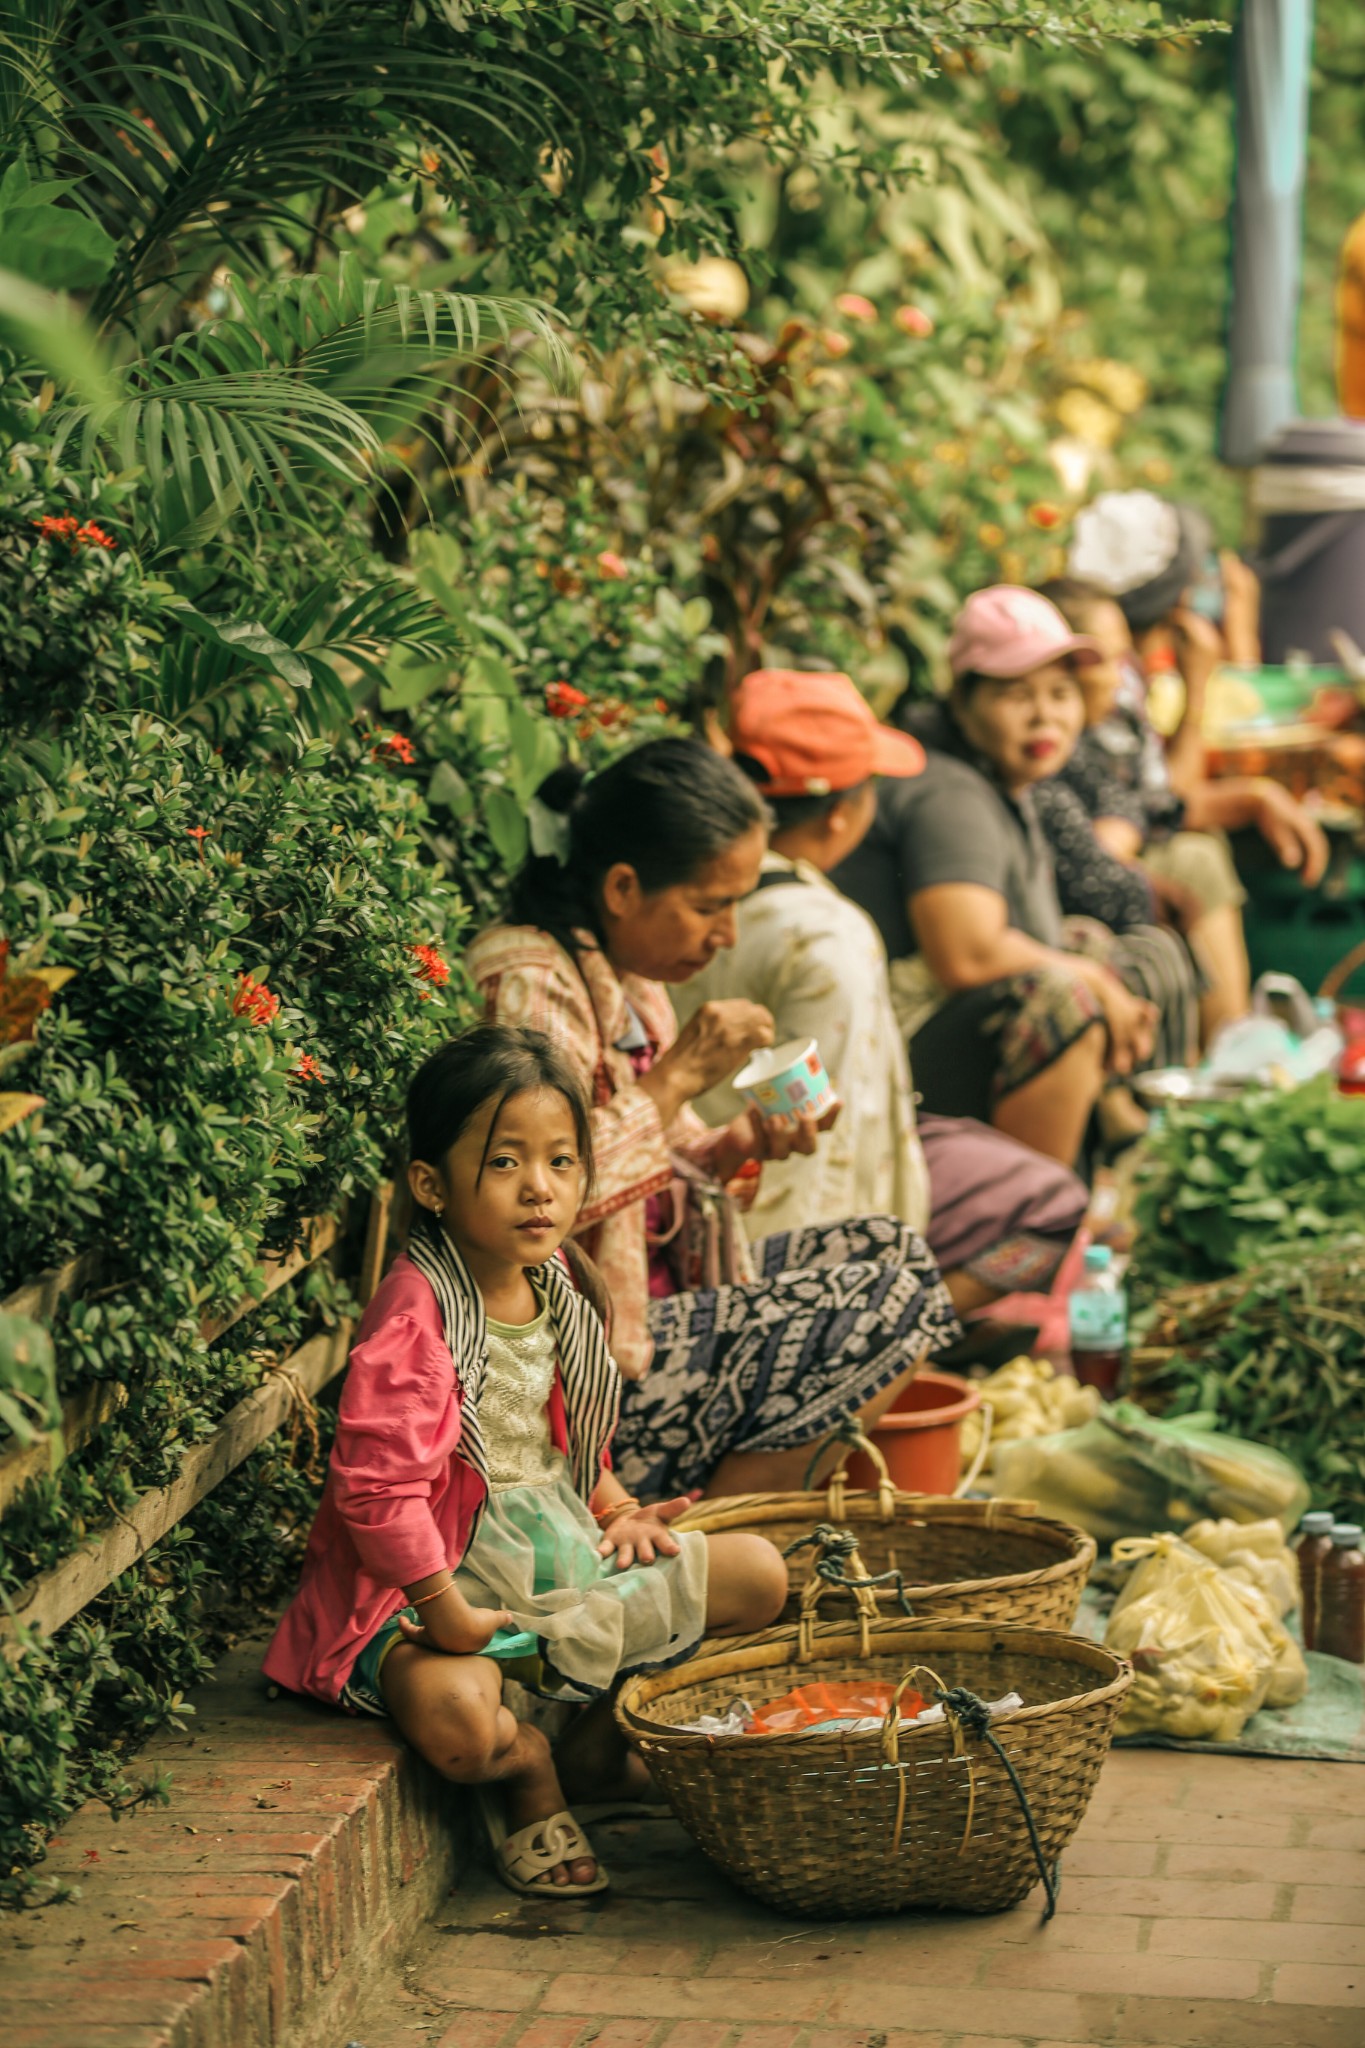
[(1006, 1022)]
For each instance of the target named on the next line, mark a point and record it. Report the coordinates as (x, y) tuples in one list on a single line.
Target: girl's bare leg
[(450, 1709)]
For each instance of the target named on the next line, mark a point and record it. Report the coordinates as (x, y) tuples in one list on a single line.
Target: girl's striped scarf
[(587, 1371)]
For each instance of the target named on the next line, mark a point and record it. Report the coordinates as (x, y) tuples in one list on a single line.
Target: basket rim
[(917, 1636), (756, 1509)]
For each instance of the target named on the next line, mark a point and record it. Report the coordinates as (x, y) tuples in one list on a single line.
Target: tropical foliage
[(396, 398)]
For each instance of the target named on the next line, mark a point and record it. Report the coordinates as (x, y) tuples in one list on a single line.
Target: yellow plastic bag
[(1253, 1553), (1202, 1662)]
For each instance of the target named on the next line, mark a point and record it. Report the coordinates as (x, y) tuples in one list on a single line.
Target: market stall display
[(1027, 1397), (1275, 1351)]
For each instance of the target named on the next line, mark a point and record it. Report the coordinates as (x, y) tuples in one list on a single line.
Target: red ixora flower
[(562, 700), (309, 1070), (393, 746), (199, 832), (613, 566), (253, 1000), (430, 965), (68, 528)]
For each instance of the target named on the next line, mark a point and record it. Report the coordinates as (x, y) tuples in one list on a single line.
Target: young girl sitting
[(469, 1523)]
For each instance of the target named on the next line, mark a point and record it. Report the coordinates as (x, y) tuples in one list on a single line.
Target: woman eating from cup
[(739, 1360)]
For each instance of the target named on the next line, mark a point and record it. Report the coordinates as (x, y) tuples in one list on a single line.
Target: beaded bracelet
[(435, 1595), (618, 1507)]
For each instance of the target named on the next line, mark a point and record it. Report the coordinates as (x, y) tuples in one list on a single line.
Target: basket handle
[(849, 1431), (970, 1477), (964, 1714), (839, 1564)]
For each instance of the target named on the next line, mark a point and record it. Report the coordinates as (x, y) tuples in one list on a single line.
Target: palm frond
[(293, 658), (246, 417), (201, 129)]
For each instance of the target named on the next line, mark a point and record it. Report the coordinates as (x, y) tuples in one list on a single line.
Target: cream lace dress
[(535, 1551)]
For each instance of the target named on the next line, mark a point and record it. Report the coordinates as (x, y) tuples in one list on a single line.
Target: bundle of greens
[(1277, 1353), (1227, 1183)]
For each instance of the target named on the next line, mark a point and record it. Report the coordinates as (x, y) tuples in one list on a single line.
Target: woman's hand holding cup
[(713, 1044)]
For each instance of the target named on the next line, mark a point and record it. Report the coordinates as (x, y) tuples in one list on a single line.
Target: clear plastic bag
[(1207, 1653), (1127, 1474)]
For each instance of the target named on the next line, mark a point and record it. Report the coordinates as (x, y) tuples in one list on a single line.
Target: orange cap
[(815, 734)]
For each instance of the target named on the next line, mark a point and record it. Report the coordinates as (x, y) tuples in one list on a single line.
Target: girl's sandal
[(525, 1859)]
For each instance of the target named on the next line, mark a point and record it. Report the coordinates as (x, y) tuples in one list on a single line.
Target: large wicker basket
[(994, 1560), (840, 1825)]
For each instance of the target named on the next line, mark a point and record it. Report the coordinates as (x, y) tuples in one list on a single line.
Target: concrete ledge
[(299, 1847)]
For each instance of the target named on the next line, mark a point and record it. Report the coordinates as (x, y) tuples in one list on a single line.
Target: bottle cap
[(1317, 1524), (1346, 1535), (1097, 1257)]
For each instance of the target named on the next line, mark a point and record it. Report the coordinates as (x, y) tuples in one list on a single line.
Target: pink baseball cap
[(1006, 630)]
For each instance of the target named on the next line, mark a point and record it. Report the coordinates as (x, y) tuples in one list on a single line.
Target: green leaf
[(56, 247), (507, 828), (251, 642), (488, 675), (409, 680), (449, 788)]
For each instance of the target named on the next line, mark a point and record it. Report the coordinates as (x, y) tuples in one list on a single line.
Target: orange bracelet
[(433, 1595), (618, 1507)]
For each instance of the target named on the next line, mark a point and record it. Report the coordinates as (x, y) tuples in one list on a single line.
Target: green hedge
[(258, 954)]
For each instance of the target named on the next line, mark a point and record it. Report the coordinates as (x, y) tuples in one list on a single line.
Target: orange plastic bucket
[(921, 1436)]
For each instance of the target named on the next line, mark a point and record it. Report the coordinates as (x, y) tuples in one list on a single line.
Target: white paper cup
[(786, 1082)]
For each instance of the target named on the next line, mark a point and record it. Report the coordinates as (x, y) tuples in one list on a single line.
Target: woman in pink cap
[(1007, 1022)]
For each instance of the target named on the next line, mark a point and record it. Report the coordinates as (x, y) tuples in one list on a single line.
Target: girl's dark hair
[(666, 809), (491, 1061)]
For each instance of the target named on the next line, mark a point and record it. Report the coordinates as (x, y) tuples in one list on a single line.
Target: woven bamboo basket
[(995, 1560), (905, 1817)]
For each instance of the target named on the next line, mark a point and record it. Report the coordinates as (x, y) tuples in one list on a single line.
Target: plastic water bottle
[(1098, 1316)]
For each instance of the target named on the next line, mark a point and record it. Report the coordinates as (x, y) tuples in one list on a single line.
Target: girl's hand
[(643, 1534), (452, 1626)]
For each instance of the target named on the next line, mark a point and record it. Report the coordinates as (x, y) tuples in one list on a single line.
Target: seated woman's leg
[(1001, 1215), (1157, 964), (1025, 1054), (747, 1379), (1050, 1112), (1202, 863)]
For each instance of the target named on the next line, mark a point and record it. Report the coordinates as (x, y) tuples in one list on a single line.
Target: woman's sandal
[(529, 1855)]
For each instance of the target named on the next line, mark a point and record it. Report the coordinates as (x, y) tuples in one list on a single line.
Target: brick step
[(299, 1848)]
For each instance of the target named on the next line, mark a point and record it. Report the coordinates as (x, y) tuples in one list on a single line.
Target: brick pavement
[(1208, 1902)]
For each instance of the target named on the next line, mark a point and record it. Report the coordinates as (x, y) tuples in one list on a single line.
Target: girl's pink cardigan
[(398, 1504)]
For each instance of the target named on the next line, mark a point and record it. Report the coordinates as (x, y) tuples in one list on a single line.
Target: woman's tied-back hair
[(491, 1063), (666, 809)]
